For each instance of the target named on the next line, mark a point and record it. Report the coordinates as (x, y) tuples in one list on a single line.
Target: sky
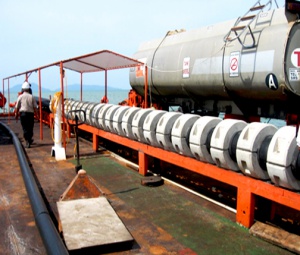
[(36, 33)]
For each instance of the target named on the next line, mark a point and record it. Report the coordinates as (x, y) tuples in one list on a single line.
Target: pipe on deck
[(49, 234)]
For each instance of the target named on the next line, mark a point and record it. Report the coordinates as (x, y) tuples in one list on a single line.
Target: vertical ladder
[(243, 23)]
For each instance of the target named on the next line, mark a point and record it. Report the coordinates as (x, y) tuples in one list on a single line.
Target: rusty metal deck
[(162, 220)]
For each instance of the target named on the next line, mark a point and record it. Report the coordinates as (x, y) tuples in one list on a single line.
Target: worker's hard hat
[(25, 85)]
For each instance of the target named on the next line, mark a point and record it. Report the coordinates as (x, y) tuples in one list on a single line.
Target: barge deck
[(162, 220)]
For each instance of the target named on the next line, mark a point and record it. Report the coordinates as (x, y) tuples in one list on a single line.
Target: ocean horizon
[(115, 96)]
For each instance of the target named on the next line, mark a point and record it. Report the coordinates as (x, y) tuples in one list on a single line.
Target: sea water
[(114, 97)]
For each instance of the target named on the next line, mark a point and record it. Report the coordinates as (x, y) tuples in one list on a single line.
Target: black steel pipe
[(50, 236), (45, 104), (263, 152), (296, 169), (233, 145)]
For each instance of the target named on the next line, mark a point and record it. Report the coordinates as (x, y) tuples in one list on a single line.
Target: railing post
[(143, 163), (95, 142), (245, 207)]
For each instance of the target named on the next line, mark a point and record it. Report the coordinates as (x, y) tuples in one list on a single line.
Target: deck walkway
[(162, 220)]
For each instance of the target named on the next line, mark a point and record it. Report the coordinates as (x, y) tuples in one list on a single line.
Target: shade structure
[(100, 61), (92, 62)]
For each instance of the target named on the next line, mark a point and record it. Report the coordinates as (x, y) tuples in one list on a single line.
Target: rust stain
[(82, 186), (31, 224), (187, 251), (164, 236), (126, 215), (158, 250)]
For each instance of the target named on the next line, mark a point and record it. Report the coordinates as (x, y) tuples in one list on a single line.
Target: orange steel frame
[(247, 188), (41, 116)]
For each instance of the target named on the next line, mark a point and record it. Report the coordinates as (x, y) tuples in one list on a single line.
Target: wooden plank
[(91, 222), (237, 28), (248, 17), (276, 236), (256, 8)]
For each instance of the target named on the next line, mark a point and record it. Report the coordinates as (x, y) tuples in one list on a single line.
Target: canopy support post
[(3, 93), (81, 86), (8, 99), (40, 104), (106, 84), (62, 74)]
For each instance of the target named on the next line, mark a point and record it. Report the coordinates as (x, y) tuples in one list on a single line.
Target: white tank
[(257, 71)]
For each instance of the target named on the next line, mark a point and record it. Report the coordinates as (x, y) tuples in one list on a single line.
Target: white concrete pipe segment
[(221, 143), (249, 144), (137, 124), (200, 133), (164, 129), (150, 126), (281, 159), (181, 133)]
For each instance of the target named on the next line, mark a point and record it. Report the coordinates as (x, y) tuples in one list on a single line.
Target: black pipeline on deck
[(18, 232)]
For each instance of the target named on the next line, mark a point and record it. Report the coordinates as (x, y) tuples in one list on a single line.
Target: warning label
[(294, 74), (234, 64), (186, 68), (295, 58)]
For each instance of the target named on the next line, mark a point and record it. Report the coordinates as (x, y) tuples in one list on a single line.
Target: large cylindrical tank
[(260, 64)]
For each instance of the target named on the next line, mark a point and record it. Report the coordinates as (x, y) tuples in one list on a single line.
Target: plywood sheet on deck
[(91, 222), (276, 236)]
